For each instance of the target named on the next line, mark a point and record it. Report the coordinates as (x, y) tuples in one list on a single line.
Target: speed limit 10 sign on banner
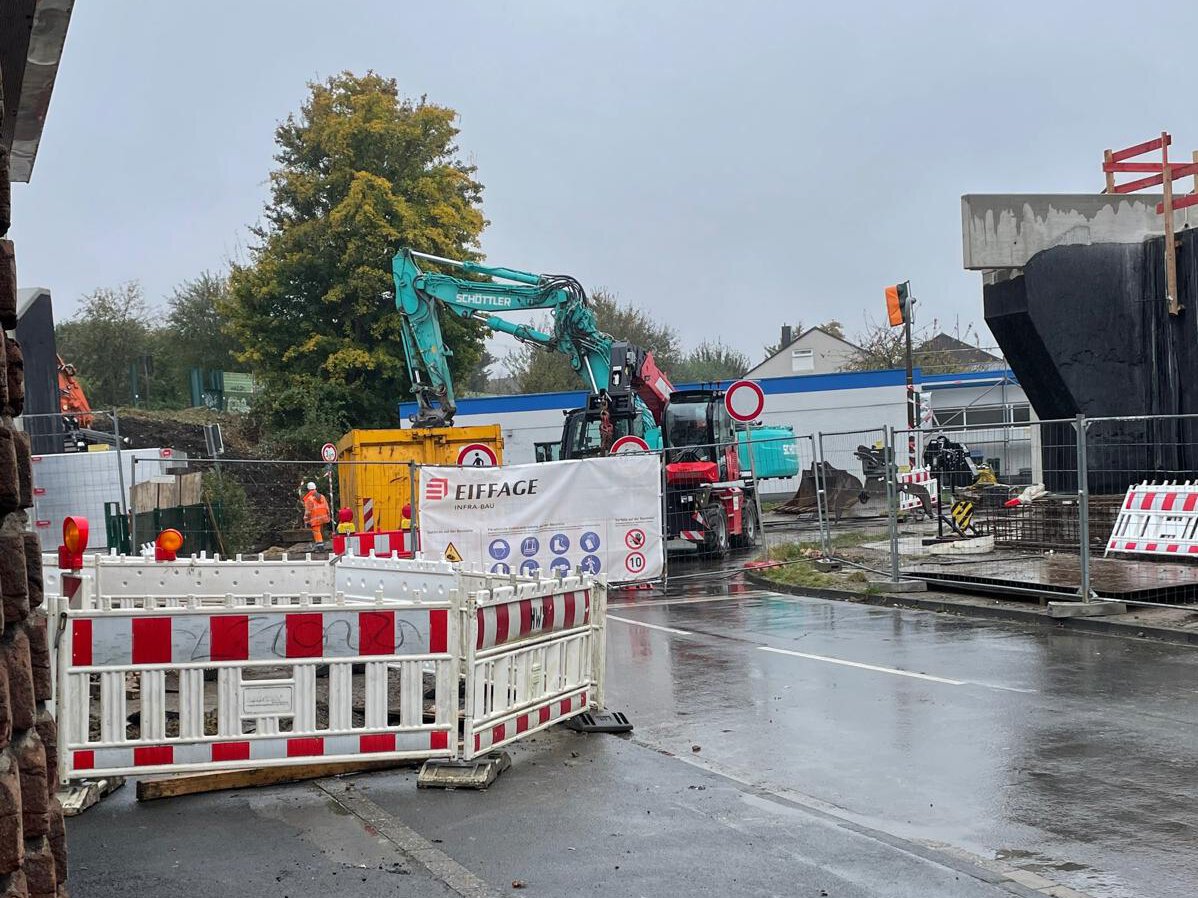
[(477, 455), (744, 401)]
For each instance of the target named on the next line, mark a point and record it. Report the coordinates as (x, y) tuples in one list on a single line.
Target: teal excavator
[(710, 491), (628, 393)]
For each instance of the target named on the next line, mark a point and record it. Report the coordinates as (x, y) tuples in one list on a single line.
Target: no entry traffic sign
[(477, 455), (629, 444), (744, 401)]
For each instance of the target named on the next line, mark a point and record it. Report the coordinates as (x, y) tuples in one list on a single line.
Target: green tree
[(881, 347), (834, 327), (361, 172), (710, 361), (537, 371), (197, 328), (107, 334), (478, 380)]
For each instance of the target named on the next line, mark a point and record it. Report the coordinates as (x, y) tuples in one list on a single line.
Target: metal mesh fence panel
[(1015, 486), (850, 477), (77, 470)]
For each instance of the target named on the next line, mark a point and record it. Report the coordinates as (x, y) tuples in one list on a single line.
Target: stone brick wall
[(32, 839)]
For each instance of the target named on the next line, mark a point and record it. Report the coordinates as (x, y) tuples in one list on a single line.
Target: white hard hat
[(311, 485)]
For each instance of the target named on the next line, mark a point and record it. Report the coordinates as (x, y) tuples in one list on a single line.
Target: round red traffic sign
[(166, 452), (635, 562), (328, 452), (477, 455), (634, 538), (744, 400), (629, 444)]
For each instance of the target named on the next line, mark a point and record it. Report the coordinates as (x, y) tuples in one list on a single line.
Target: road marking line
[(1003, 688), (889, 670), (637, 623), (656, 603), (409, 842)]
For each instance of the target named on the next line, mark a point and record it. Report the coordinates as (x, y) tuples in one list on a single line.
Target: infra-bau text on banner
[(598, 515)]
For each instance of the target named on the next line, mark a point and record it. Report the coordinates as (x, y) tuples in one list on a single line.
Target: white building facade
[(850, 407)]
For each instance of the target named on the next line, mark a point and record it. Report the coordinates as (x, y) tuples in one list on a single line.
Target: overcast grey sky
[(728, 167)]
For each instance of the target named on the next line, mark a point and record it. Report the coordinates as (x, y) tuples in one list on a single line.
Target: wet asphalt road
[(1069, 755), (840, 747)]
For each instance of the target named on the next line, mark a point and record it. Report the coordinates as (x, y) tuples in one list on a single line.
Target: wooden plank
[(1181, 202), (1131, 166), (1159, 143), (154, 788), (1170, 242), (143, 497), (191, 488), (168, 494)]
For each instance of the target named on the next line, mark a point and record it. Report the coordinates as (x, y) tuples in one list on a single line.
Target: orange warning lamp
[(74, 542), (898, 304), (168, 543)]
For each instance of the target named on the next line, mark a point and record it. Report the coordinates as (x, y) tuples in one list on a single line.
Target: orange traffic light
[(898, 304)]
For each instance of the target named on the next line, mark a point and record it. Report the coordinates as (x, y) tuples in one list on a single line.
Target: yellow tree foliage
[(361, 172)]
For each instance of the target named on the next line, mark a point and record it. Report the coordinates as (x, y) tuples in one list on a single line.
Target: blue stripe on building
[(799, 383)]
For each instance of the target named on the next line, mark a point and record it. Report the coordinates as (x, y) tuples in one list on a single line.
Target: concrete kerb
[(974, 608)]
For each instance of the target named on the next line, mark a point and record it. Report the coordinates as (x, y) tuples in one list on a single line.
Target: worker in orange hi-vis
[(316, 512)]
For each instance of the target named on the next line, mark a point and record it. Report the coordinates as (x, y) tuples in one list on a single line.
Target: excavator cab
[(590, 432)]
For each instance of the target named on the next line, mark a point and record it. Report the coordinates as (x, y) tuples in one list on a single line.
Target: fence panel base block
[(78, 797), (600, 722), (1085, 609), (476, 774)]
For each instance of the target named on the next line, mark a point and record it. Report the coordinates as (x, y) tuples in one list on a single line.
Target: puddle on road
[(1078, 876)]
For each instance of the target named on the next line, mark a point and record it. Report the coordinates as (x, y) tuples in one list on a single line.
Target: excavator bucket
[(843, 490)]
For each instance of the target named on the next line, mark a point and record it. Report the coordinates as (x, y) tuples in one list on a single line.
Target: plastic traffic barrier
[(1157, 519)]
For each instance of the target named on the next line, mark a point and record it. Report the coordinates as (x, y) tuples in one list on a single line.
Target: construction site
[(374, 558)]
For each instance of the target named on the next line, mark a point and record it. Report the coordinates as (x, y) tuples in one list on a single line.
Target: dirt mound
[(271, 486), (183, 431)]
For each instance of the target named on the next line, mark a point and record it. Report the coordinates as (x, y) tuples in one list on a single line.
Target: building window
[(978, 415), (802, 360), (949, 417)]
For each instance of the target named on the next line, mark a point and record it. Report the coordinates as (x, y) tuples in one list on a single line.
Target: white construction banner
[(602, 515)]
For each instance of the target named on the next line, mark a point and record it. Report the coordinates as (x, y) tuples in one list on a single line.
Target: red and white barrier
[(528, 618), (386, 629), (923, 477), (380, 543), (1157, 519), (268, 708), (534, 657), (368, 514)]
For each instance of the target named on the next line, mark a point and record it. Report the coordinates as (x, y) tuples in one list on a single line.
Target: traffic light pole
[(912, 396)]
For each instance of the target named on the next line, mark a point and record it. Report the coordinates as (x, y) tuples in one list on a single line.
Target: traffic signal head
[(898, 304)]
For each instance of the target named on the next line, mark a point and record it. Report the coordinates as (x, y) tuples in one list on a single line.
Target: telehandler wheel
[(716, 544), (750, 528)]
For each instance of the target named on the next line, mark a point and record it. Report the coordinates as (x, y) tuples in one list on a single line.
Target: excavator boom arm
[(417, 295)]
